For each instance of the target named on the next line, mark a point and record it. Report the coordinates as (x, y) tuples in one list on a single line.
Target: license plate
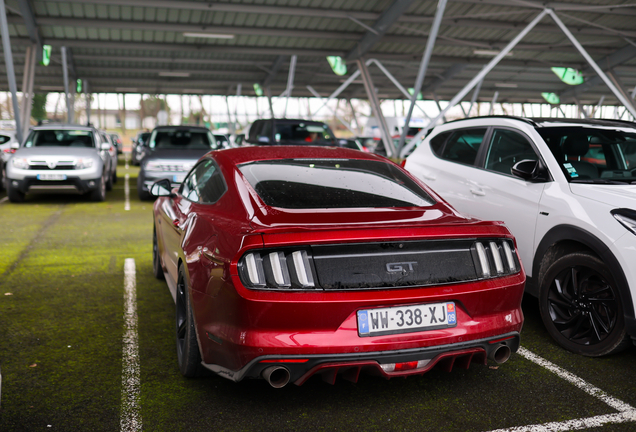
[(178, 178), (49, 177), (406, 319)]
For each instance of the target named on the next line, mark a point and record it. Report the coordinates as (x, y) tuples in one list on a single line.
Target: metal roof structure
[(159, 46)]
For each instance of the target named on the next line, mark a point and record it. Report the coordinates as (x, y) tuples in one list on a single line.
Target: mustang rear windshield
[(333, 183), (60, 138), (599, 154)]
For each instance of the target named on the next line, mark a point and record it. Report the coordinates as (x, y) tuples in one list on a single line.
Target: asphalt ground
[(64, 366)]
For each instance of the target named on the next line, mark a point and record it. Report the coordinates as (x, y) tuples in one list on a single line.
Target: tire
[(188, 353), (157, 270), (109, 181), (580, 306), (141, 193), (115, 176), (15, 195), (99, 194)]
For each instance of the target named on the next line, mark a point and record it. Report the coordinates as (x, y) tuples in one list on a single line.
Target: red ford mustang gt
[(285, 262)]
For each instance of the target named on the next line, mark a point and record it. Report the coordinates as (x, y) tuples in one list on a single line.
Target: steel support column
[(475, 96), (290, 82), (375, 106), (493, 102), (480, 76), (27, 87), (619, 85), (87, 96), (421, 74), (592, 63), (66, 92), (8, 61)]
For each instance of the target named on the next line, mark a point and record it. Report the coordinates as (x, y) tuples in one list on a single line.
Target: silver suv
[(61, 158)]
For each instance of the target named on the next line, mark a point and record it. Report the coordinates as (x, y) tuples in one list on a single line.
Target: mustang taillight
[(277, 269), (495, 258)]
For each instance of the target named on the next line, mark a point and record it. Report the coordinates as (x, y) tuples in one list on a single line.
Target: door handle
[(477, 191)]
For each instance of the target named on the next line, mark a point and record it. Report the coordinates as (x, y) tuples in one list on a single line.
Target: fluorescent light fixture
[(175, 74), (209, 35), (491, 53), (568, 75), (506, 85), (551, 98)]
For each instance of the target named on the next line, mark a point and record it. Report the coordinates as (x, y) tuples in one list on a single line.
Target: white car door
[(498, 195)]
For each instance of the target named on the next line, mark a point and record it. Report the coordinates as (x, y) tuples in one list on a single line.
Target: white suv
[(567, 191)]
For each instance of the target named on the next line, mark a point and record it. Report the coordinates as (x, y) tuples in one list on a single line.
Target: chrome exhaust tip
[(501, 354), (276, 376)]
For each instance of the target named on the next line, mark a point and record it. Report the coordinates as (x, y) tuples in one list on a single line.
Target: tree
[(38, 109)]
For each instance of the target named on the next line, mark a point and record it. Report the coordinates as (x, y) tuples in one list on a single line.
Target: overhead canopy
[(160, 46)]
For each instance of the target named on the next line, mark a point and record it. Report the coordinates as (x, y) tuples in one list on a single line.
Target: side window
[(506, 149), (205, 183), (463, 146), (437, 142)]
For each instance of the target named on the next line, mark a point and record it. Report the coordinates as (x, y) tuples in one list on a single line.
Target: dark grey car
[(171, 152)]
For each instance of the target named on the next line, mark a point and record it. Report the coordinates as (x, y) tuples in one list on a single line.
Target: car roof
[(63, 126), (288, 120), (541, 122), (181, 127), (242, 155)]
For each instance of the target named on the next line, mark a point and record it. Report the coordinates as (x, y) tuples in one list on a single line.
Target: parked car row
[(326, 251)]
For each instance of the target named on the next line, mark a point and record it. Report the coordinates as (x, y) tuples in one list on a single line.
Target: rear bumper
[(72, 184), (349, 366)]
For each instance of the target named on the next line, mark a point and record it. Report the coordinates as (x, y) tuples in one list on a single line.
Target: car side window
[(463, 145), (204, 184), (438, 141), (506, 149)]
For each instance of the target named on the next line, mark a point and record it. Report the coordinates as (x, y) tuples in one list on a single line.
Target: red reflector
[(405, 366), (403, 163), (286, 361)]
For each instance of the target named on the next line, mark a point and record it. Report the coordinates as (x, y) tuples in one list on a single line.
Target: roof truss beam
[(373, 36)]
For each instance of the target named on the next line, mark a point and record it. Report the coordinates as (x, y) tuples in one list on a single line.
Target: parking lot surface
[(66, 363)]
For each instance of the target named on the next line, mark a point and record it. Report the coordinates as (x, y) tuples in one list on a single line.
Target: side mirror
[(105, 146), (263, 139), (15, 145), (161, 188), (530, 170)]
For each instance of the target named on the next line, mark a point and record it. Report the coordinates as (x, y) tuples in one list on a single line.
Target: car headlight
[(626, 217), (153, 166), (83, 163), (20, 163)]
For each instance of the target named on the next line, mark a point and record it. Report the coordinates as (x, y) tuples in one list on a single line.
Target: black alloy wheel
[(157, 270), (188, 353), (581, 307)]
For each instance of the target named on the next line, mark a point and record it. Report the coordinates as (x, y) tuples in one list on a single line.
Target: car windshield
[(143, 137), (178, 138), (60, 138), (604, 155), (304, 133), (333, 183)]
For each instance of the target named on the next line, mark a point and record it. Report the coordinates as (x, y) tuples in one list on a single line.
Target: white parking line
[(130, 382), (127, 192), (3, 200), (627, 413)]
